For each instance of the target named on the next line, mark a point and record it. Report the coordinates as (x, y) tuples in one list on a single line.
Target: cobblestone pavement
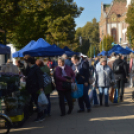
[(116, 119)]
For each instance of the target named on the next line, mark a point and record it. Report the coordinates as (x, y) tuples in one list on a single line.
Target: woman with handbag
[(64, 76), (104, 77)]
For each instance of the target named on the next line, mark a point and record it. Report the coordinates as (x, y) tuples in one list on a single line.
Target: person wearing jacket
[(81, 70), (35, 84), (27, 68), (131, 70), (120, 76), (104, 76), (10, 68), (111, 60), (48, 88), (61, 74), (67, 60), (20, 66)]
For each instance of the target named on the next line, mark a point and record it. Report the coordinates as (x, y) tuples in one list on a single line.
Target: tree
[(90, 35), (33, 19), (107, 42), (92, 51), (130, 21)]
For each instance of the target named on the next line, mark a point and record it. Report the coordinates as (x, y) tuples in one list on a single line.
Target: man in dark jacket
[(81, 70), (121, 75), (34, 84), (27, 68)]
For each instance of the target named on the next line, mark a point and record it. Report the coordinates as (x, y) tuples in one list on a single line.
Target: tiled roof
[(118, 7)]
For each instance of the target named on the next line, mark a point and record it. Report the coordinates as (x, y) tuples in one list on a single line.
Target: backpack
[(117, 68), (47, 79)]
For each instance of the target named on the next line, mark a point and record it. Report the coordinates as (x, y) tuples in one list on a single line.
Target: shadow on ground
[(116, 119)]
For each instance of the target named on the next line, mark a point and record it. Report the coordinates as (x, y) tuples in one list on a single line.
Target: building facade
[(112, 21)]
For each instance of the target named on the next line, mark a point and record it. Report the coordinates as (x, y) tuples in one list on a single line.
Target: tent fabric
[(26, 48), (127, 48), (66, 49), (40, 43), (45, 50), (103, 53), (4, 49), (118, 50), (69, 53)]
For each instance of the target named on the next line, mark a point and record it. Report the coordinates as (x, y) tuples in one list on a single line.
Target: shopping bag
[(95, 98), (116, 96), (79, 92), (42, 99), (91, 95), (111, 95)]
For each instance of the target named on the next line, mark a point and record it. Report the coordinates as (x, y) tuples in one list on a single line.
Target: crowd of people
[(107, 72)]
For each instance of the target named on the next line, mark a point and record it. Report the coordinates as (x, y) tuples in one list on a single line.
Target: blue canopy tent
[(118, 50), (69, 53), (127, 48), (43, 49), (103, 53), (26, 48), (4, 49)]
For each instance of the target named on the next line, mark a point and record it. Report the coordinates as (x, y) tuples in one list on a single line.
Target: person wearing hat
[(10, 68), (104, 76)]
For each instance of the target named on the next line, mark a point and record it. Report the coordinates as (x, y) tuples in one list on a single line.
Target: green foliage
[(130, 21), (32, 19), (106, 43), (90, 36)]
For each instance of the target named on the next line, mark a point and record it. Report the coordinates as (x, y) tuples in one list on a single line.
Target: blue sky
[(92, 8)]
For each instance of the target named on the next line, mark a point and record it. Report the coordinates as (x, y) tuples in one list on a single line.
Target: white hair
[(60, 58), (64, 56)]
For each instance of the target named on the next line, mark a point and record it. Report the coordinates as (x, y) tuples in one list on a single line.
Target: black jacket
[(27, 69), (83, 75), (123, 70), (34, 80)]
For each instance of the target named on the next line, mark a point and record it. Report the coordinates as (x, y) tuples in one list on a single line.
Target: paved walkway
[(116, 119)]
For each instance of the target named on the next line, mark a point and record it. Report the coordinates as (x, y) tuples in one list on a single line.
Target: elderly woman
[(10, 68), (64, 74), (104, 76), (48, 88)]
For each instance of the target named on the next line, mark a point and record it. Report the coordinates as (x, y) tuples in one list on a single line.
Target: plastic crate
[(17, 118)]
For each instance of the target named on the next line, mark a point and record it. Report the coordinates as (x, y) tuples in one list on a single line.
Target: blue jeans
[(84, 98), (103, 90)]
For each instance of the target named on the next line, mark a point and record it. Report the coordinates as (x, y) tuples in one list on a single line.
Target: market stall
[(42, 49), (103, 53), (26, 48), (69, 53), (118, 50)]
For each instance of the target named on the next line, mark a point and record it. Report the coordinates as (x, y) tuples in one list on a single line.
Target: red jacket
[(59, 78)]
